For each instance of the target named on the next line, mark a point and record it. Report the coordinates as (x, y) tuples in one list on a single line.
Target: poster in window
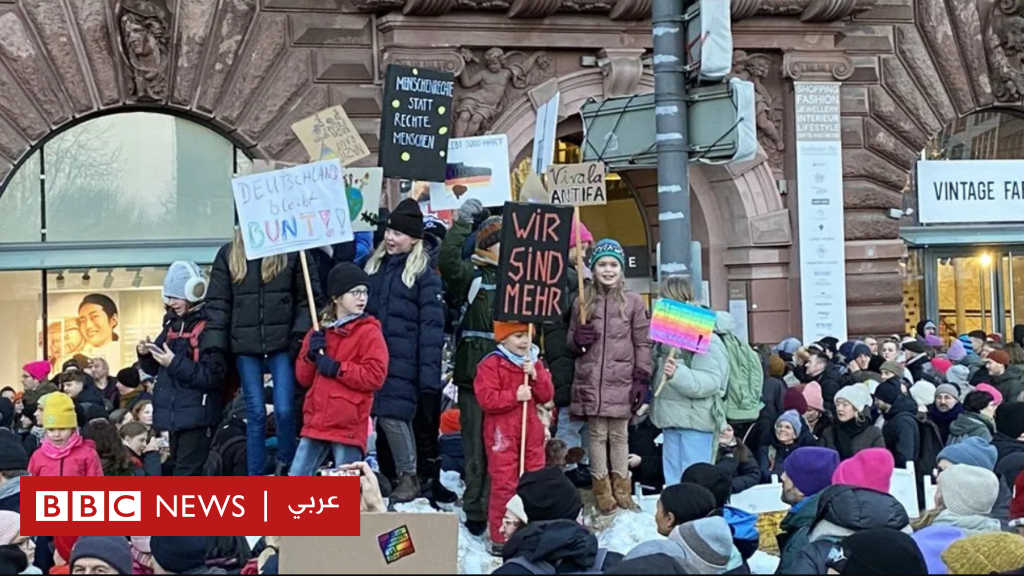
[(87, 323)]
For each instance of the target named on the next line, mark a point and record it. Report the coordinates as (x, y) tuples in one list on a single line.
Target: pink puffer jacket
[(604, 373)]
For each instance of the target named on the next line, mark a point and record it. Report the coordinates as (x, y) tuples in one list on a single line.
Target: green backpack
[(746, 381)]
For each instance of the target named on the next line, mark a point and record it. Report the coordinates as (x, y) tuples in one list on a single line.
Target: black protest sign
[(416, 123), (534, 257)]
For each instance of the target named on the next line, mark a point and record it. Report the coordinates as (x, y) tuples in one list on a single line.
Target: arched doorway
[(95, 214)]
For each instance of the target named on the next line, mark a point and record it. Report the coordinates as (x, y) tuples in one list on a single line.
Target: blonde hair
[(415, 265), (618, 292), (679, 288), (270, 267)]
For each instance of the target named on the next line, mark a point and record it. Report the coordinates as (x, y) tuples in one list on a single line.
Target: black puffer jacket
[(558, 357), (843, 510), (564, 544), (741, 465), (260, 318)]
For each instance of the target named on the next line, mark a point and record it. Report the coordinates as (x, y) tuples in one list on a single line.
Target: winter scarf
[(517, 359), (846, 432), (342, 321), (944, 419), (56, 453)]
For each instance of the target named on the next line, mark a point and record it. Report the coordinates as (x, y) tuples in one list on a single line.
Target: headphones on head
[(195, 286)]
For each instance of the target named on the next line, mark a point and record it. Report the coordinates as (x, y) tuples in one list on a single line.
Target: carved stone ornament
[(445, 60), (427, 7), (631, 10), (534, 8), (1004, 49), (495, 5), (144, 30), (756, 68), (821, 66), (622, 69), (491, 82), (808, 10)]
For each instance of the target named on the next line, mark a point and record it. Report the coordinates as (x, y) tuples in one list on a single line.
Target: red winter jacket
[(497, 380), (337, 409)]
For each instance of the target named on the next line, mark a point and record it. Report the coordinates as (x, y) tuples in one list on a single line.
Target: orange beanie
[(450, 423), (503, 330)]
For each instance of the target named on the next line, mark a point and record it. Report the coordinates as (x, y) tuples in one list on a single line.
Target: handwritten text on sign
[(293, 209), (531, 273), (330, 131), (682, 325), (577, 184), (416, 123)]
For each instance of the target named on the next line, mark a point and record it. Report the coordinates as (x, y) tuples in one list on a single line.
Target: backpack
[(474, 290), (746, 381), (215, 458), (542, 567), (192, 336)]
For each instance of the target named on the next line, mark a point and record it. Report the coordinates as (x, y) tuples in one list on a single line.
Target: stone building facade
[(250, 68)]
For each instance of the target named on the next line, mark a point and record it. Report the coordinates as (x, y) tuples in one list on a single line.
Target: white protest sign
[(293, 209), (970, 191)]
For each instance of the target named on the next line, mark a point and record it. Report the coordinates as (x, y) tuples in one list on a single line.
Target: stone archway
[(748, 226), (246, 70)]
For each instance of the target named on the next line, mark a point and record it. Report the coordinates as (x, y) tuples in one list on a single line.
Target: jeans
[(251, 370), (189, 450), (402, 443), (311, 454), (682, 449), (573, 433)]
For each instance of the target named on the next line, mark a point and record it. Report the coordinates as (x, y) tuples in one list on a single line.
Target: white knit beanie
[(968, 490), (857, 395), (515, 506), (923, 393)]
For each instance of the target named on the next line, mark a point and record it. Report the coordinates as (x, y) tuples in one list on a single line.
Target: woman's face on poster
[(96, 326)]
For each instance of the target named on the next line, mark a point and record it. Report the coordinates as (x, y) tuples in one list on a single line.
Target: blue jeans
[(311, 454), (251, 370), (402, 443), (682, 449), (573, 433)]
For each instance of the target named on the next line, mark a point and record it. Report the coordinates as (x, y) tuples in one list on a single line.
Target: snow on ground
[(619, 533)]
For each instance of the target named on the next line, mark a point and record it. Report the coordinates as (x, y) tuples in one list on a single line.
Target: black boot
[(439, 493), (476, 527)]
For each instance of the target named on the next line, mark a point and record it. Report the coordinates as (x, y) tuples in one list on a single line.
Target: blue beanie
[(971, 451), (968, 345), (608, 248), (847, 348), (861, 349), (792, 417), (811, 468), (179, 554)]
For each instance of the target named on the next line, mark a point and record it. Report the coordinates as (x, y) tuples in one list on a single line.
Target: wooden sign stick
[(526, 406), (579, 262), (664, 378), (309, 290)]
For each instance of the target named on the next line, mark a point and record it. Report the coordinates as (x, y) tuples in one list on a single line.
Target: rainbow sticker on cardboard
[(396, 544), (682, 325)]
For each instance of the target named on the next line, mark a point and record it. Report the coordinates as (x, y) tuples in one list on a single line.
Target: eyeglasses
[(362, 293)]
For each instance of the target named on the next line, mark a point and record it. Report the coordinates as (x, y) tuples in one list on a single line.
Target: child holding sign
[(611, 372), (343, 364), (500, 391), (690, 409)]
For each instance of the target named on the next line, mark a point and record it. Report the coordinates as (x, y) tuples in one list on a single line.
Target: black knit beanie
[(407, 218), (128, 377), (1010, 419), (715, 479), (548, 495), (344, 277)]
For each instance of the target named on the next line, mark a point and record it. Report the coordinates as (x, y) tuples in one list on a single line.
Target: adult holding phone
[(261, 308)]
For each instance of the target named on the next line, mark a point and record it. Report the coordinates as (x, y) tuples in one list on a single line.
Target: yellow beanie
[(59, 412), (985, 554)]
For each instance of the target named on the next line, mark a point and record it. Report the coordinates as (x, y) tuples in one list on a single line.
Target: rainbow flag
[(396, 544), (682, 325)]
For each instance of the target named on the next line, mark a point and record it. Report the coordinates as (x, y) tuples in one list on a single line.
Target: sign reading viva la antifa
[(970, 191), (532, 269), (416, 123)]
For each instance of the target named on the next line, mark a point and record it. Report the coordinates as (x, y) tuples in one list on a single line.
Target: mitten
[(585, 335), (638, 391), (328, 366), (317, 343)]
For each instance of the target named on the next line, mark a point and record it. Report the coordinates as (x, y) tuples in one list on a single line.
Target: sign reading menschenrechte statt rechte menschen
[(293, 209), (416, 123)]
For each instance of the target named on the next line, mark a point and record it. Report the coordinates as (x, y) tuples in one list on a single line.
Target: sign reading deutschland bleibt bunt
[(416, 123)]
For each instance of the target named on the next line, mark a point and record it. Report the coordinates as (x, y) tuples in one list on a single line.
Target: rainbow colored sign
[(682, 325), (396, 544), (293, 209)]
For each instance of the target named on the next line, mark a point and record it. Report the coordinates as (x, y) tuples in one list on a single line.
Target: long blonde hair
[(270, 267), (616, 292), (676, 287), (415, 265)]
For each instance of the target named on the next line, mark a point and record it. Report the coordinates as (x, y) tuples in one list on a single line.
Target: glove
[(469, 210), (328, 366), (317, 343), (585, 336), (638, 391)]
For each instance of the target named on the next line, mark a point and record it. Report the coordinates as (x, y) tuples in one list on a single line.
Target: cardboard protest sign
[(416, 123), (330, 132), (533, 190), (532, 268), (292, 209), (682, 325), (363, 188), (478, 168), (394, 543), (577, 184)]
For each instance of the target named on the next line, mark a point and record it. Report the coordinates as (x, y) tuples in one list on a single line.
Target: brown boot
[(623, 493), (603, 492), (408, 489)]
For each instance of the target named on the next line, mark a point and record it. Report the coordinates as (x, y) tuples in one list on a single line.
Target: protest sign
[(416, 123), (532, 268), (363, 188), (394, 543), (577, 184), (292, 209), (682, 325), (533, 190), (478, 168), (331, 132)]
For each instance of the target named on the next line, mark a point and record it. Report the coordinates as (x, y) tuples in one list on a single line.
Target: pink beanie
[(141, 543), (585, 234), (812, 394), (870, 468), (39, 369), (942, 365), (10, 525), (997, 396)]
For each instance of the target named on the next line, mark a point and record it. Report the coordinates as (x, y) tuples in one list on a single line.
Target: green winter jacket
[(477, 327), (694, 398), (559, 357), (795, 532)]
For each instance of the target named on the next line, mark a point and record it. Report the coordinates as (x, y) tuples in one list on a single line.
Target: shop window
[(996, 135), (20, 313), (130, 176)]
